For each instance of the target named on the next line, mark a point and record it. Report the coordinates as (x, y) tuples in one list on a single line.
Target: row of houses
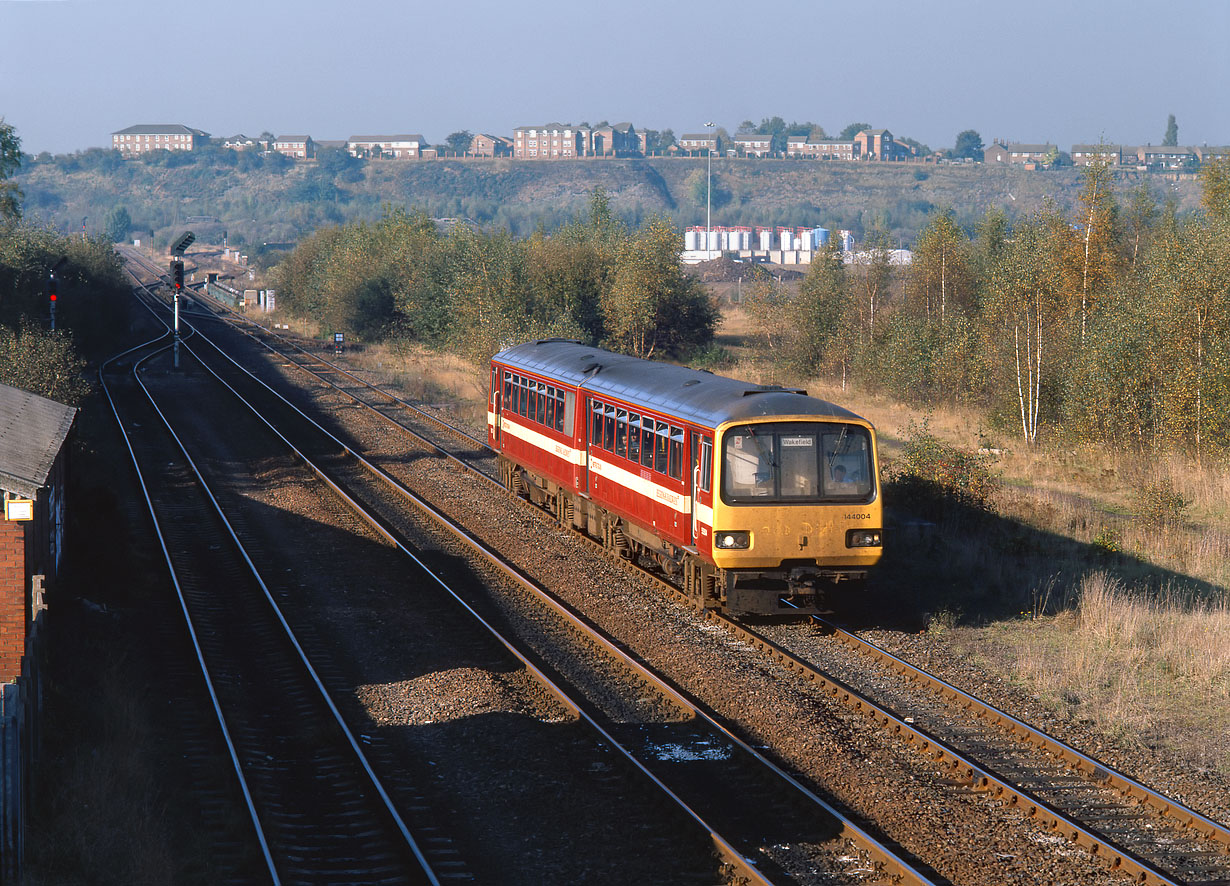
[(564, 141), (1148, 156)]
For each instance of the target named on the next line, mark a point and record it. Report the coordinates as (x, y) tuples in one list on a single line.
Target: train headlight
[(863, 538), (736, 540)]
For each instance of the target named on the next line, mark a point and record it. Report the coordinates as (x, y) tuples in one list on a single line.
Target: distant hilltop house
[(300, 147), (1019, 153), (242, 142), (393, 147), (696, 143), (806, 147), (486, 145), (146, 137), (564, 141), (753, 144), (1148, 156)]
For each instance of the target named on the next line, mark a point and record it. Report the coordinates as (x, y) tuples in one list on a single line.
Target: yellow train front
[(761, 500), (796, 511)]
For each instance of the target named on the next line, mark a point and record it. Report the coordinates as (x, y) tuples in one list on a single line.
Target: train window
[(634, 436), (538, 401), (798, 465), (564, 413), (550, 404), (621, 432), (595, 424), (608, 430), (796, 462), (675, 462), (663, 447), (509, 402), (647, 444), (706, 464)]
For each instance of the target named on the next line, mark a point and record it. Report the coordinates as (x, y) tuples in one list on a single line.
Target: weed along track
[(947, 820)]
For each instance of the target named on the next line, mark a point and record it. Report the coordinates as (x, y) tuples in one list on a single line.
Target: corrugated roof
[(32, 432), (688, 394)]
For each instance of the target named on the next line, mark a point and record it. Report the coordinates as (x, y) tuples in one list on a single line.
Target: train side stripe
[(543, 442), (641, 485)]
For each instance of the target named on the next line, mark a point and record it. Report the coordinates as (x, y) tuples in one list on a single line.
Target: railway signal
[(51, 297), (177, 276), (177, 287)]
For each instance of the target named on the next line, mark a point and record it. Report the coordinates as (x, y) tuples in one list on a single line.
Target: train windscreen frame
[(797, 463)]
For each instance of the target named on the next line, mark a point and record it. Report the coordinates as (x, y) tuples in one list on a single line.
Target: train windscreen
[(796, 462)]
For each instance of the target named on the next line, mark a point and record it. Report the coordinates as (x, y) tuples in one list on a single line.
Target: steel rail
[(982, 777), (888, 859)]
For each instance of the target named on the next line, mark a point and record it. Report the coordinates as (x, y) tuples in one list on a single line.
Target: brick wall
[(12, 599)]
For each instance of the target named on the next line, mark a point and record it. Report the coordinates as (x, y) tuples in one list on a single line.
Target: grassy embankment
[(1096, 580)]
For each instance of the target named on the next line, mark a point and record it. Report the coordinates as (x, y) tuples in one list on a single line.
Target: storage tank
[(822, 237), (766, 239), (787, 238), (689, 240), (807, 242)]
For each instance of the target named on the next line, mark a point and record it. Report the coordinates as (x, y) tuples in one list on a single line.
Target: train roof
[(692, 395)]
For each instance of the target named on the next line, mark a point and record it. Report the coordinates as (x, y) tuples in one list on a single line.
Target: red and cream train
[(756, 495)]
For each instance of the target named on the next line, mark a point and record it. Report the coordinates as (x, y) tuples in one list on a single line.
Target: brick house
[(805, 147), (879, 144), (243, 142), (1084, 155), (552, 141), (620, 140), (409, 146), (33, 434), (300, 147), (694, 143), (145, 137), (1018, 153), (753, 144), (1166, 156), (484, 145)]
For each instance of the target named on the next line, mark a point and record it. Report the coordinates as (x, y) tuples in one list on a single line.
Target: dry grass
[(1150, 668)]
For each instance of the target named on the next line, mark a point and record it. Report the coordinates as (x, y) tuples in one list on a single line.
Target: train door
[(496, 398), (702, 487)]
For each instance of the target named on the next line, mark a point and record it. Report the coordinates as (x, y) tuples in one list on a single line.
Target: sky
[(74, 71)]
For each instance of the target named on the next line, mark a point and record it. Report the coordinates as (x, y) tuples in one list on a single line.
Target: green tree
[(1171, 138), (10, 162), (940, 278), (852, 130), (1139, 220), (1094, 259), (652, 306), (42, 362), (459, 142), (1025, 316), (118, 224), (968, 145), (1215, 188)]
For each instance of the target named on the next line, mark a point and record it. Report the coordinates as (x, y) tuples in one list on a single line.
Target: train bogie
[(760, 500)]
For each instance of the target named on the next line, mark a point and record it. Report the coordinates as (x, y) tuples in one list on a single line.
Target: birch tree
[(939, 278), (1025, 312)]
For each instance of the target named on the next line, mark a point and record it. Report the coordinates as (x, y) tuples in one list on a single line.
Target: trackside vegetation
[(1107, 324), (471, 292)]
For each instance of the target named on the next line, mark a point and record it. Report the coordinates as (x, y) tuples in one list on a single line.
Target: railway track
[(1109, 828), (722, 785), (317, 812)]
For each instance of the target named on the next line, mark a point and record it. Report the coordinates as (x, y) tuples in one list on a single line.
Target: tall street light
[(709, 198)]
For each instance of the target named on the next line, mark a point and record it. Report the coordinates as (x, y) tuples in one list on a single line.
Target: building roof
[(697, 137), (293, 138), (161, 129), (32, 432), (404, 137)]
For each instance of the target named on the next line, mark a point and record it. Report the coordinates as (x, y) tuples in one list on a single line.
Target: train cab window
[(495, 387), (662, 446), (509, 402), (706, 464), (621, 432), (675, 459), (634, 436), (796, 462)]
